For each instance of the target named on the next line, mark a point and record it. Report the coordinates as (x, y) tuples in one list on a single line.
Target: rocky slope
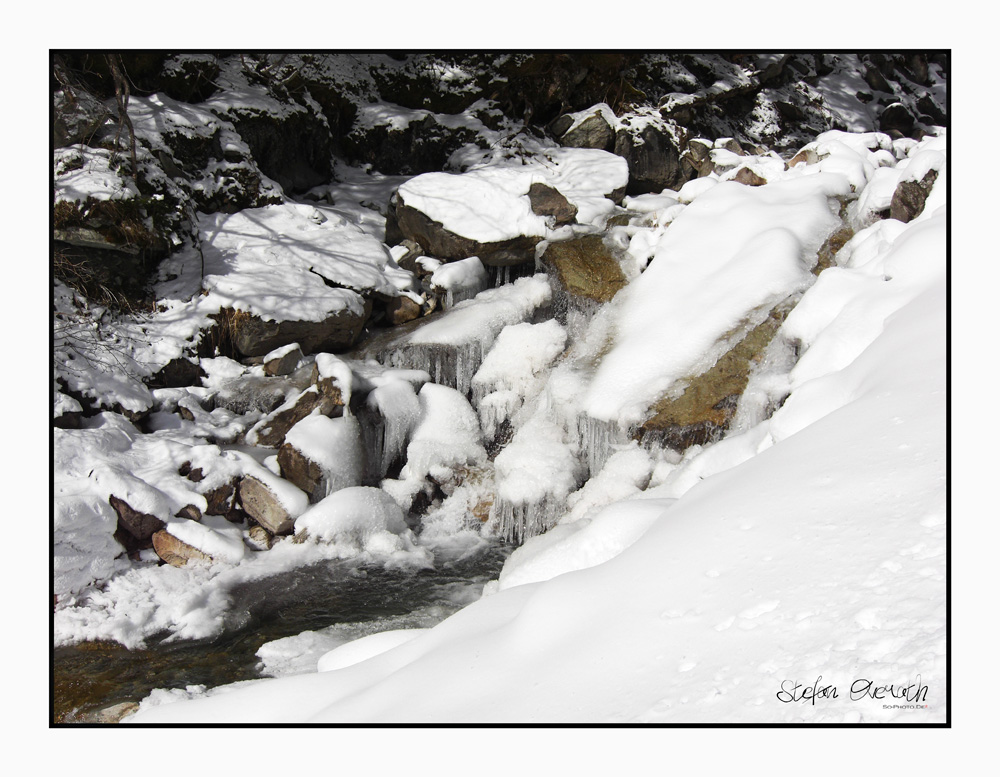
[(284, 279)]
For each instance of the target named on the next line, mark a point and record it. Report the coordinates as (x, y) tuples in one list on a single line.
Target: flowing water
[(92, 676)]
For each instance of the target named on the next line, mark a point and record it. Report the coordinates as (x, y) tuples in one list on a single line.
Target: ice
[(390, 413), (451, 348), (460, 280)]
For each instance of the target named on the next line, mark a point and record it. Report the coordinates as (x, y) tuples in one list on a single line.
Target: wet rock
[(108, 715), (264, 507), (141, 526), (255, 337), (826, 256), (547, 201), (442, 243), (705, 409), (585, 267), (174, 551), (910, 197), (283, 361)]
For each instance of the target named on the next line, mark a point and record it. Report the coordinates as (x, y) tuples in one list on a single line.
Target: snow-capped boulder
[(653, 155), (322, 455), (337, 332), (283, 360), (274, 505), (591, 128)]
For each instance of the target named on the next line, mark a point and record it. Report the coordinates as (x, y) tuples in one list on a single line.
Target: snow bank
[(272, 262), (813, 544), (733, 251)]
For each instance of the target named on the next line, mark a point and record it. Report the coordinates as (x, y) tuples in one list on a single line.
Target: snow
[(367, 647), (359, 520), (332, 443), (460, 280), (734, 250), (247, 267), (490, 203)]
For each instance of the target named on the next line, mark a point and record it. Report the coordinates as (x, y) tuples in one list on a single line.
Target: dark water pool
[(94, 675)]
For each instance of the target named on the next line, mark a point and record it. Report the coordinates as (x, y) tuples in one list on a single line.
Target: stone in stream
[(252, 336)]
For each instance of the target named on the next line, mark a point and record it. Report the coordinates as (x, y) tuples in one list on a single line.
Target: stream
[(94, 675)]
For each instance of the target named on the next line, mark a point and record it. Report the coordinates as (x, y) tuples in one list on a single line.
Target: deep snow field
[(669, 589)]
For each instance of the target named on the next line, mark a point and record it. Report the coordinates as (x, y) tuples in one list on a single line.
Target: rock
[(302, 472), (255, 337), (585, 267), (177, 373), (258, 538), (910, 197), (220, 499), (401, 309), (270, 431), (749, 177), (174, 551), (929, 108), (653, 159), (422, 146), (592, 132), (141, 526), (191, 512), (806, 156), (876, 80), (297, 166), (283, 361), (444, 244), (263, 506), (703, 412), (546, 201), (896, 117), (76, 117), (108, 715), (732, 145)]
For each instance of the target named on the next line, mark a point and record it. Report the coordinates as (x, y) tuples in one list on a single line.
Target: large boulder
[(442, 243), (585, 267), (590, 131), (254, 336), (654, 159)]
